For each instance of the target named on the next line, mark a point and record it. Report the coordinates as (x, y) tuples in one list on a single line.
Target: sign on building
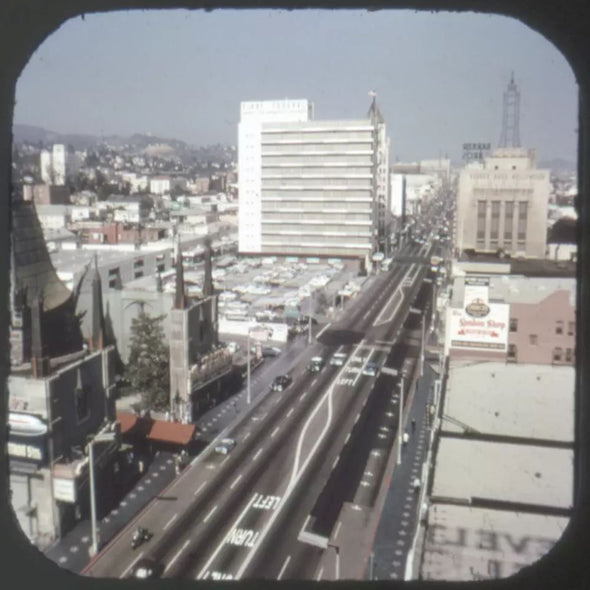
[(480, 326), (64, 489), (476, 151)]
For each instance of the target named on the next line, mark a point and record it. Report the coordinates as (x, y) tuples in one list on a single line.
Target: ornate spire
[(97, 335), (179, 297), (39, 360)]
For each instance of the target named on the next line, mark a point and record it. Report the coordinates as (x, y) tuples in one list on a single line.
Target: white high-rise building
[(57, 164), (58, 159), (311, 188)]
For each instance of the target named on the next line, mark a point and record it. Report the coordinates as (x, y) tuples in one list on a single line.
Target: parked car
[(147, 568), (271, 351), (281, 382), (225, 446)]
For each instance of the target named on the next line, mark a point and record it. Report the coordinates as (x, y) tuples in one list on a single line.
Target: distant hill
[(33, 134)]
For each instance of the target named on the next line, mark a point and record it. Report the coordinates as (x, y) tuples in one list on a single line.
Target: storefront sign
[(29, 452), (64, 489)]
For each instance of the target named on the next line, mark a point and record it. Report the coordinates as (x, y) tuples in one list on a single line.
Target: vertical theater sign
[(479, 324)]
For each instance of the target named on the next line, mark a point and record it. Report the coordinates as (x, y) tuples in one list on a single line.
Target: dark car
[(281, 382), (147, 568)]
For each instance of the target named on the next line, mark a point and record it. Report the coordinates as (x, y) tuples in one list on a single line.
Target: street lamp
[(100, 437), (400, 421)]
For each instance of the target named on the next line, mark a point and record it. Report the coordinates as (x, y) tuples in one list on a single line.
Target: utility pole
[(400, 421)]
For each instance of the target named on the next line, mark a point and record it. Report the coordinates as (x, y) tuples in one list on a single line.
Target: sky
[(182, 74)]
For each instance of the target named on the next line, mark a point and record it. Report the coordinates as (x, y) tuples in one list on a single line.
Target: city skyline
[(134, 66)]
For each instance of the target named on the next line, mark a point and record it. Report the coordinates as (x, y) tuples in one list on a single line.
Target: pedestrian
[(413, 425)]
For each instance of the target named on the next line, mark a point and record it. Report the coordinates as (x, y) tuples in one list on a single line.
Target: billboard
[(480, 326)]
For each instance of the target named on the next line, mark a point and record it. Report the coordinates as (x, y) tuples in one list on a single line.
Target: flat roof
[(519, 288), (465, 543), (529, 401), (504, 472)]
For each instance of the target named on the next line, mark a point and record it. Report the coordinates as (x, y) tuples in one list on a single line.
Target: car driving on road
[(225, 446), (370, 369), (338, 359), (147, 568), (316, 364), (281, 382)]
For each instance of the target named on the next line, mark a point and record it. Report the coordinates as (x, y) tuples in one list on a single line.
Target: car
[(281, 382), (146, 568), (271, 351), (370, 369), (338, 359), (225, 446), (316, 364)]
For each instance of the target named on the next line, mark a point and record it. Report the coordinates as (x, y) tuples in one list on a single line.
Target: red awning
[(126, 420), (172, 432)]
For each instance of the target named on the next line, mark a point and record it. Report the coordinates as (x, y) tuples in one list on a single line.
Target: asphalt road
[(222, 514)]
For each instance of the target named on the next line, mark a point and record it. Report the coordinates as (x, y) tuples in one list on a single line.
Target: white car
[(225, 446), (338, 359)]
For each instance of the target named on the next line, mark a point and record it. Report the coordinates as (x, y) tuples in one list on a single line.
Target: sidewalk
[(398, 521)]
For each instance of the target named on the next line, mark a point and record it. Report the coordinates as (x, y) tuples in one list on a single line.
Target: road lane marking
[(290, 412), (257, 454), (320, 574), (314, 382), (274, 432), (323, 330), (126, 571), (284, 567), (337, 529), (210, 513), (177, 555), (235, 481), (246, 436), (199, 488), (227, 536), (357, 417), (302, 395), (335, 461), (170, 521)]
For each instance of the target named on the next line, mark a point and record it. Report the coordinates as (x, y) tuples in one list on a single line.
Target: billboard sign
[(480, 326), (475, 298), (64, 490)]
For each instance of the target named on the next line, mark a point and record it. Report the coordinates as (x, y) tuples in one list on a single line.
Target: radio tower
[(510, 135)]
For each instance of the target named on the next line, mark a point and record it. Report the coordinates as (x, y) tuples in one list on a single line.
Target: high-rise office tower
[(311, 188)]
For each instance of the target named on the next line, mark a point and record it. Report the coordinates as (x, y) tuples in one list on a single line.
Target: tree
[(149, 361)]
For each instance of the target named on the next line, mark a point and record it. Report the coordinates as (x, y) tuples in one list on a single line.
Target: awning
[(172, 432)]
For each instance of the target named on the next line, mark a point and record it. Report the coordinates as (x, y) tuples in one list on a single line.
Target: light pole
[(100, 437), (248, 371), (400, 420)]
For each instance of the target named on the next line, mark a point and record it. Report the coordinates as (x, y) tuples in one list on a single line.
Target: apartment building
[(311, 188), (502, 205)]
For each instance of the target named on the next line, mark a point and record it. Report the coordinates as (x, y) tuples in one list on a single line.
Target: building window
[(533, 339), (511, 352), (495, 226), (513, 325), (571, 328), (557, 354), (569, 355), (481, 220), (138, 263), (522, 220), (138, 274), (508, 220), (559, 327), (113, 271), (161, 267)]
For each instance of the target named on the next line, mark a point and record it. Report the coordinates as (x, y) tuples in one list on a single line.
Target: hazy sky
[(439, 78)]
